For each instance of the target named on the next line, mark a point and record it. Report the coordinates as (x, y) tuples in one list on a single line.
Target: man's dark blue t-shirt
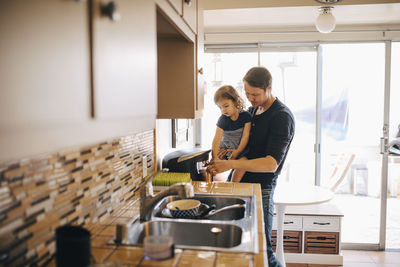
[(271, 134)]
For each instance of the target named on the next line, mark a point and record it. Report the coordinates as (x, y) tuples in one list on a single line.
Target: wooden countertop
[(103, 231)]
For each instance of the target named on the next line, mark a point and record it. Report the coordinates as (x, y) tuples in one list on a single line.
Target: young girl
[(233, 126)]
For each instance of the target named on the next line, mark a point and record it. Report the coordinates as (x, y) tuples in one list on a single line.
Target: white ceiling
[(299, 16)]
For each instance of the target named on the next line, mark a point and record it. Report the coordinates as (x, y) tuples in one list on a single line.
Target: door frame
[(385, 151)]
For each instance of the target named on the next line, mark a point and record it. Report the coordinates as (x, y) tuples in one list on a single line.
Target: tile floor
[(356, 258), (362, 226)]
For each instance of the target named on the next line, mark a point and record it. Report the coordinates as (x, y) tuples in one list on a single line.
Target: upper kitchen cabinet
[(187, 9), (44, 63), (200, 59), (190, 13), (124, 59), (178, 93), (177, 5), (71, 75)]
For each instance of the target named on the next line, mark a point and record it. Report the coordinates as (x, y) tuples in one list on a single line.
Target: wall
[(164, 138), (76, 186)]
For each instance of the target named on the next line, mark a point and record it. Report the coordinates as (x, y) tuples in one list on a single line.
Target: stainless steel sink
[(190, 233), (218, 201), (231, 231)]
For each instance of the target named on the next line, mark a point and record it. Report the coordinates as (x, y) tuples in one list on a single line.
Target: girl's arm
[(243, 141), (216, 142)]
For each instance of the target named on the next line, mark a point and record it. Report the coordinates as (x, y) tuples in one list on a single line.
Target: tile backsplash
[(75, 186)]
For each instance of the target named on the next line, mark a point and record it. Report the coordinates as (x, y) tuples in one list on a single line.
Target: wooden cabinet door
[(177, 4), (176, 79), (190, 13), (125, 61), (44, 62), (201, 81), (181, 86)]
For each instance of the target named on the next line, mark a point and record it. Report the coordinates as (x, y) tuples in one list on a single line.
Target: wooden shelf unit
[(312, 234)]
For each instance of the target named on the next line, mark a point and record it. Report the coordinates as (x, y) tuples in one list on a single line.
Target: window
[(293, 82), (222, 69)]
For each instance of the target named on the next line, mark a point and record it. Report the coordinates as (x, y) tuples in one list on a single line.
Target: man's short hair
[(258, 77)]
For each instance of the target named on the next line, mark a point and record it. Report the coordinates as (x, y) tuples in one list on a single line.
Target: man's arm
[(280, 137), (265, 164)]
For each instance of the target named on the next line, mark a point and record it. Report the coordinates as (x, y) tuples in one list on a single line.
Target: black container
[(170, 161), (72, 246)]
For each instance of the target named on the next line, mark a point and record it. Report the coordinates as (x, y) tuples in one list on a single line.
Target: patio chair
[(340, 170)]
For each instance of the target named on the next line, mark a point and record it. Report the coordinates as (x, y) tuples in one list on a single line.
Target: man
[(272, 131)]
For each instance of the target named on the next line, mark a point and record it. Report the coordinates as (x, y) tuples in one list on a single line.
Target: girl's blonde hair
[(228, 92)]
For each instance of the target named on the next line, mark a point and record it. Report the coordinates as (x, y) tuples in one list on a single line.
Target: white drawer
[(290, 223), (321, 223)]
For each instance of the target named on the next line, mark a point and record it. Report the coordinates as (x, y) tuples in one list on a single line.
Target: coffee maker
[(187, 160)]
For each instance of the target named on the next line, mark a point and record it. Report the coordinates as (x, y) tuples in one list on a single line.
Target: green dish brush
[(170, 178)]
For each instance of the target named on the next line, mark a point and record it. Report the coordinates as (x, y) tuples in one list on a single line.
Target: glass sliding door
[(393, 197), (293, 82), (351, 125), (353, 106)]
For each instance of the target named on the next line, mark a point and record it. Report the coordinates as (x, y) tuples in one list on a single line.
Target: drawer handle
[(288, 222), (321, 223), (288, 237), (321, 238)]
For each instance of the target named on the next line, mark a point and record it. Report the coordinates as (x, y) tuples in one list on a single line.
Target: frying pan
[(205, 211)]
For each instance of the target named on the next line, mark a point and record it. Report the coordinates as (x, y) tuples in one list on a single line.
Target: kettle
[(191, 160)]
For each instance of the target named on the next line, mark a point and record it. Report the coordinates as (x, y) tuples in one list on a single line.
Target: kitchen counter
[(104, 230)]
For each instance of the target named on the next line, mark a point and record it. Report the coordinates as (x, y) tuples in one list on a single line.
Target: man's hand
[(218, 166)]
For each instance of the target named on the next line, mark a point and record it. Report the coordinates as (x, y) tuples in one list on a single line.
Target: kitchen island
[(104, 231)]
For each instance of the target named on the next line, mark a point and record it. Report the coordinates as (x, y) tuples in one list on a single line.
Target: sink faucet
[(148, 200)]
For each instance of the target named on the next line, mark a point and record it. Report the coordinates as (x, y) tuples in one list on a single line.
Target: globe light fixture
[(325, 22)]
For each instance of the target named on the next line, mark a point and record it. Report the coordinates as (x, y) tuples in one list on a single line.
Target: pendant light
[(326, 22)]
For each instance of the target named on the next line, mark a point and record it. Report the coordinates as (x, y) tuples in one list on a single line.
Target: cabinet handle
[(110, 10), (321, 223), (188, 2), (288, 222)]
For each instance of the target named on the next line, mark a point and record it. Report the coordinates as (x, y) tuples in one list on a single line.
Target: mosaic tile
[(79, 186)]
